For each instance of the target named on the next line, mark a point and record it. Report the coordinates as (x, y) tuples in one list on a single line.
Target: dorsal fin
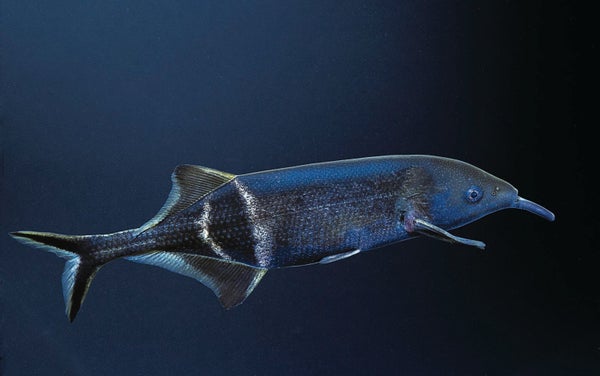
[(190, 184), (231, 282)]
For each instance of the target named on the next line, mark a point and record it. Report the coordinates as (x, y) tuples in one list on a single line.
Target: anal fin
[(231, 282)]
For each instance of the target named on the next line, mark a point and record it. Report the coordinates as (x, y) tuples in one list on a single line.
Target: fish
[(227, 230)]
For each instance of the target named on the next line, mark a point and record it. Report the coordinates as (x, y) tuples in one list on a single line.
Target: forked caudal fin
[(230, 281), (80, 268)]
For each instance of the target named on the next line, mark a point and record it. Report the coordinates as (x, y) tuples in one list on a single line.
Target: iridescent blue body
[(227, 230), (297, 216)]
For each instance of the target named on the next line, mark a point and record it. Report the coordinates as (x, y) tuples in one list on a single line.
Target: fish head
[(465, 193)]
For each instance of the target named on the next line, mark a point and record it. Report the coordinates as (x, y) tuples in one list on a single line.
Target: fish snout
[(532, 207)]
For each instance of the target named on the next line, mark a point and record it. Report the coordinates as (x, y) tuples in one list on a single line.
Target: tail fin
[(80, 267)]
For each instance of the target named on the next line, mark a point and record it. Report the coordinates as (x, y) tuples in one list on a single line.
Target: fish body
[(227, 230), (295, 216)]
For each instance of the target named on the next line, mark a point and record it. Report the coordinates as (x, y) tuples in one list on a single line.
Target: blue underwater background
[(101, 100)]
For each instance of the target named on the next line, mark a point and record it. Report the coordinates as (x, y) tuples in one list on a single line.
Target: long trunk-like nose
[(534, 208)]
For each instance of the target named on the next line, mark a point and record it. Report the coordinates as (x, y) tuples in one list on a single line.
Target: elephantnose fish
[(227, 230)]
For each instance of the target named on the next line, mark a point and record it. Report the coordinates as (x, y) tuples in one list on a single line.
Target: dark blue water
[(101, 100)]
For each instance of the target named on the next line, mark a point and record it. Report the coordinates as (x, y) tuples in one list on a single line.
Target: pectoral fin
[(428, 229)]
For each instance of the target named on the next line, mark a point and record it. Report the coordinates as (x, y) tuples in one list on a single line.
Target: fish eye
[(474, 194)]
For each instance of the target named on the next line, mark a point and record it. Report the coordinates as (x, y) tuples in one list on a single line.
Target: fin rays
[(190, 184), (76, 281), (78, 273), (230, 281)]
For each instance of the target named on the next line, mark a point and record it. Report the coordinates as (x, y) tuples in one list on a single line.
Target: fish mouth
[(532, 207)]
